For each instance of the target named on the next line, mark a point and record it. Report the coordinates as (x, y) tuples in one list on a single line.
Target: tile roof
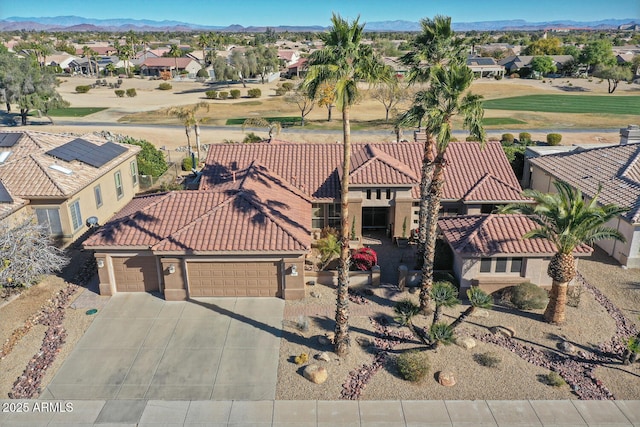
[(314, 168), (616, 168), (489, 235), (167, 62), (489, 186), (28, 172), (252, 211)]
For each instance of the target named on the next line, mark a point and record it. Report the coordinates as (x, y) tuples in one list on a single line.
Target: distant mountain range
[(79, 24)]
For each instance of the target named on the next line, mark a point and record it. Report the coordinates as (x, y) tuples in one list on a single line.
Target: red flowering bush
[(364, 258)]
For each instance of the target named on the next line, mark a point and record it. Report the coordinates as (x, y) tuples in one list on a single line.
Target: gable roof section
[(490, 235), (489, 186), (245, 214), (29, 172), (313, 168), (167, 62), (616, 168)]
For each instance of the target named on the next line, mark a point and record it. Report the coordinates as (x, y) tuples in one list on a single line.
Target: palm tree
[(188, 117), (329, 247), (344, 61), (443, 294), (566, 220), (446, 98), (272, 127), (478, 299), (175, 52), (405, 311)]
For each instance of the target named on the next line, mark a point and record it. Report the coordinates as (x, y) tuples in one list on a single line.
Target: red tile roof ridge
[(262, 169), (477, 227), (374, 153), (159, 196), (486, 177)]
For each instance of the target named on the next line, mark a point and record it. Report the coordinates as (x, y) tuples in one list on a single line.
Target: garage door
[(233, 279), (136, 274)]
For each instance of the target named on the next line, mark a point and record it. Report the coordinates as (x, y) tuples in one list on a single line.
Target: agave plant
[(405, 311), (443, 294), (478, 299), (440, 333)]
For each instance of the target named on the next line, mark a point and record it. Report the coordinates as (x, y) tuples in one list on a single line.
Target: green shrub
[(186, 163), (202, 73), (507, 138), (151, 160), (471, 138), (223, 95), (165, 86), (287, 86), (251, 138), (488, 359), (302, 358), (280, 91), (235, 93), (554, 379), (498, 77), (254, 93), (131, 93), (528, 296), (119, 93), (83, 88), (554, 138), (211, 94), (413, 365), (524, 138)]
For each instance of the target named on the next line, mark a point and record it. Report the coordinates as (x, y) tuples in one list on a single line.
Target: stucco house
[(63, 180), (489, 251), (617, 170), (153, 66), (258, 206), (514, 63)]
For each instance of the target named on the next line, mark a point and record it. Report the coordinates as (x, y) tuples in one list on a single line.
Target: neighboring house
[(248, 236), (617, 170), (153, 66), (81, 66), (485, 66), (63, 180), (100, 50), (288, 57), (399, 69), (299, 69), (515, 63), (60, 59), (489, 251), (293, 190)]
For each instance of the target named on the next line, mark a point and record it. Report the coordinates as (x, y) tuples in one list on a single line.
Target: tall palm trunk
[(465, 314), (342, 300), (187, 130), (562, 269), (197, 131), (431, 227)]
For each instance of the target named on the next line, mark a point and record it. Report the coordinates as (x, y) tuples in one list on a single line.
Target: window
[(487, 209), (369, 194), (50, 218), (333, 215), (388, 194), (98, 193), (134, 172), (485, 265), (317, 215), (501, 265), (378, 194), (516, 265), (119, 189), (76, 217)]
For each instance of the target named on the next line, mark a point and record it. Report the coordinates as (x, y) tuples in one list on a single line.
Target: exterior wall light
[(172, 269), (100, 263), (294, 270)]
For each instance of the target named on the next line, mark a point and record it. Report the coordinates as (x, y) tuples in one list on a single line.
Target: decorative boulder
[(446, 378), (316, 374), (466, 342), (481, 312), (324, 356), (505, 331), (567, 347)]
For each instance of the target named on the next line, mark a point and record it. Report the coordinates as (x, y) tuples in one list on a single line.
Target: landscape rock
[(327, 338), (481, 313), (466, 342), (315, 294), (567, 347), (364, 342), (316, 374), (446, 378), (505, 331), (324, 356)]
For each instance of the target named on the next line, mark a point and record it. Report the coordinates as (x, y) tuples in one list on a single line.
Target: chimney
[(630, 135), (233, 174), (419, 135)]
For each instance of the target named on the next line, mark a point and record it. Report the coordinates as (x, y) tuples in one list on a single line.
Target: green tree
[(390, 93), (344, 61), (89, 54), (548, 46), (302, 101), (175, 52), (326, 96), (543, 65), (439, 60), (599, 52), (614, 74), (151, 161), (566, 220)]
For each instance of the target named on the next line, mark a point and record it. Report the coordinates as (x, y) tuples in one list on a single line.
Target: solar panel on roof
[(87, 152), (5, 197), (9, 139)]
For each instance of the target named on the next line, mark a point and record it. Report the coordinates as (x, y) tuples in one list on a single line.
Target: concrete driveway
[(142, 347)]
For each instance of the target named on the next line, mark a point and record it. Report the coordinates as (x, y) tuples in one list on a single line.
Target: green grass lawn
[(599, 104), (74, 112), (500, 121), (295, 120)]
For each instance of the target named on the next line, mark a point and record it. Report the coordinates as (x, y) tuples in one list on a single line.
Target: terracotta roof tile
[(616, 168), (489, 186), (313, 168), (488, 235), (255, 212)]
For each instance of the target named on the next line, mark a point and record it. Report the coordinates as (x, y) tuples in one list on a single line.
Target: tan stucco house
[(617, 170), (489, 251), (63, 180), (248, 227)]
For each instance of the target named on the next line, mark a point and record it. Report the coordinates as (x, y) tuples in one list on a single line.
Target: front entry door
[(375, 217)]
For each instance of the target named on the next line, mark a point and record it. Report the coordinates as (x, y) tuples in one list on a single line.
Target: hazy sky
[(318, 12)]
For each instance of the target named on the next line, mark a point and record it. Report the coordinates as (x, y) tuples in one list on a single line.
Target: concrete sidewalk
[(311, 413)]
